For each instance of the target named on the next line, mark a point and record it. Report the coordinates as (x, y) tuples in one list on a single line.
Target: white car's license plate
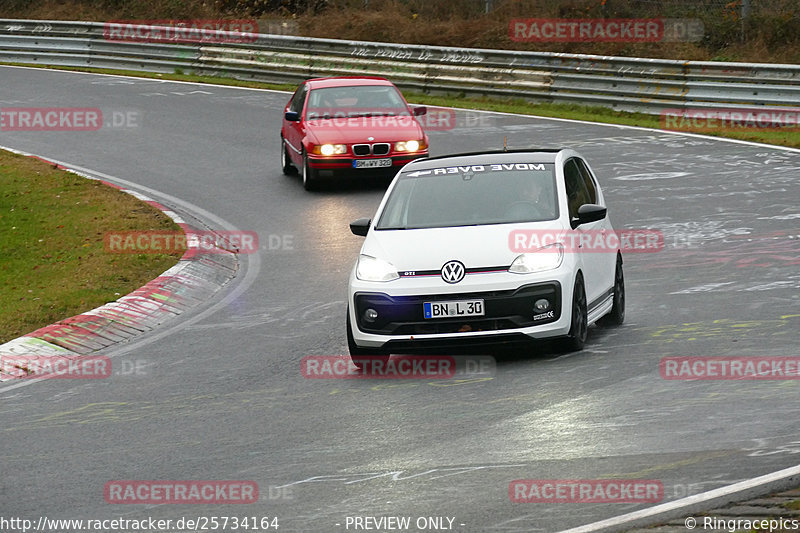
[(372, 163), (453, 308)]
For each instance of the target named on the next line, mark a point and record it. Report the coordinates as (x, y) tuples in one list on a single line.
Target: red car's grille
[(361, 149), (380, 148), (374, 149)]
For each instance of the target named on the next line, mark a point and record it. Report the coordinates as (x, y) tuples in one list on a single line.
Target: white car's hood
[(429, 249)]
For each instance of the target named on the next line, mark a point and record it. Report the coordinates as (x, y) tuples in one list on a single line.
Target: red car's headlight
[(329, 149), (410, 146)]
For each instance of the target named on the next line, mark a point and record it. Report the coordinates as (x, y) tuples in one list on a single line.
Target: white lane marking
[(730, 491), (651, 176)]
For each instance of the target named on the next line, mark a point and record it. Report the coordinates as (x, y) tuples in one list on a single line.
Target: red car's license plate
[(372, 163)]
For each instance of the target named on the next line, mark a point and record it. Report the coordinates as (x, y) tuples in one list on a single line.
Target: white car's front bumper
[(509, 312)]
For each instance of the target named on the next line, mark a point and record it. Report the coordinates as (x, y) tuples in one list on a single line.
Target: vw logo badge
[(453, 271)]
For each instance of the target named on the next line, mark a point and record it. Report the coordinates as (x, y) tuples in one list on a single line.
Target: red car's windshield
[(361, 100)]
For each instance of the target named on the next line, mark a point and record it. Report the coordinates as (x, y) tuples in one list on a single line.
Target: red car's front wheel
[(309, 175), (287, 166)]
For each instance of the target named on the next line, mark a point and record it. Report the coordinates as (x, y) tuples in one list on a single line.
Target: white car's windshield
[(471, 195), (360, 100)]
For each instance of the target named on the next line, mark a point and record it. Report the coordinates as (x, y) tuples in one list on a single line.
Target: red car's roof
[(347, 81)]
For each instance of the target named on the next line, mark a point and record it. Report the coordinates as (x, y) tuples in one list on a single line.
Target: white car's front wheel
[(579, 324)]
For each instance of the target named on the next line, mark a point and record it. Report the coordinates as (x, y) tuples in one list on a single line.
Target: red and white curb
[(195, 277)]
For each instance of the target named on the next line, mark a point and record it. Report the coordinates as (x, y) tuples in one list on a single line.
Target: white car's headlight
[(545, 258), (374, 269)]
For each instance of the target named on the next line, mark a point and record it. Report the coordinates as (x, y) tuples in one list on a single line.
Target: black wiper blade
[(372, 114)]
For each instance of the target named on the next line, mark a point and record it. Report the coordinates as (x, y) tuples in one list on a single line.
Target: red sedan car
[(358, 125)]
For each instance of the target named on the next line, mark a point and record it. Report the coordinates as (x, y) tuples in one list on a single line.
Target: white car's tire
[(617, 314), (579, 323)]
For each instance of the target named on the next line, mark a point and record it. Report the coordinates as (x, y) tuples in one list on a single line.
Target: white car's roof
[(538, 156)]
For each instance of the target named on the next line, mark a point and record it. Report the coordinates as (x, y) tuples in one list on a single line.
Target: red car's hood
[(358, 130)]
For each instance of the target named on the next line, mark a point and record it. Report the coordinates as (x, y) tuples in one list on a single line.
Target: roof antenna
[(505, 143)]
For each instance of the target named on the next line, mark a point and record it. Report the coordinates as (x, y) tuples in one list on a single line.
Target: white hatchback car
[(485, 248)]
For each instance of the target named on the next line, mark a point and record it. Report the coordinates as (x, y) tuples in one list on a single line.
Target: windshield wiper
[(372, 114)]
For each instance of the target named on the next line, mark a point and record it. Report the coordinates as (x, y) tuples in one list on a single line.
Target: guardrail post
[(745, 15)]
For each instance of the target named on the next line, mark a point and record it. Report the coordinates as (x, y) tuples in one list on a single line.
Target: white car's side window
[(588, 180), (577, 193)]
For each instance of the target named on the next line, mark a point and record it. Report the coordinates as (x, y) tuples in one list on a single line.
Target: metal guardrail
[(631, 84)]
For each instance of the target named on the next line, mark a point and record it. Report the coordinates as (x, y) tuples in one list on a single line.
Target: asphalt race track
[(219, 395)]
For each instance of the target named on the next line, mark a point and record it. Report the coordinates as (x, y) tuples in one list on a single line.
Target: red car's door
[(293, 131)]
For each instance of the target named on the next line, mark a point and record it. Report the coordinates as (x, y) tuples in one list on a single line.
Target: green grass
[(54, 264), (790, 138)]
